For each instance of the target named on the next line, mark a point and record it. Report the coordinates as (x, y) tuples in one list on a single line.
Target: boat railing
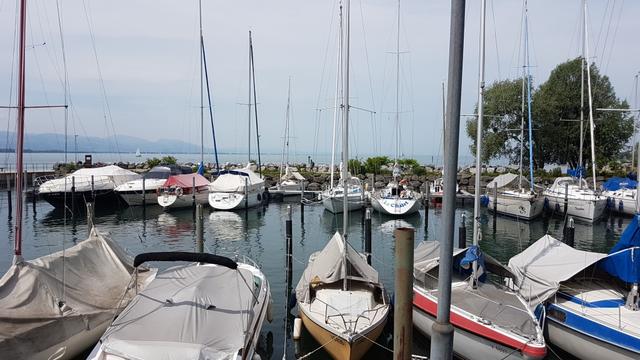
[(362, 315), (42, 179), (327, 316)]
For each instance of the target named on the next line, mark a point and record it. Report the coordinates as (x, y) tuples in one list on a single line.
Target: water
[(259, 234)]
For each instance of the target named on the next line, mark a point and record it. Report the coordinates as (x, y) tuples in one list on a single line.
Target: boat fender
[(620, 206), (292, 300), (484, 200), (297, 328), (545, 205), (557, 208), (178, 191), (270, 310), (609, 205)]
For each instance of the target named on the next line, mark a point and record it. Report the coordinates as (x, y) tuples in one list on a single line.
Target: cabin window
[(557, 314)]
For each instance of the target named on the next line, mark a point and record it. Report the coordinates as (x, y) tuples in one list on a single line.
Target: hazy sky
[(148, 58)]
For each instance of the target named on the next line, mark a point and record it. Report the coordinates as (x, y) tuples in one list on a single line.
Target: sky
[(133, 66)]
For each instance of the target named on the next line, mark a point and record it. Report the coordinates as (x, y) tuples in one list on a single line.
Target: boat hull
[(234, 201), (103, 199), (340, 348), (518, 207), (172, 201), (135, 198), (336, 204), (395, 207), (621, 204), (581, 209), (472, 339)]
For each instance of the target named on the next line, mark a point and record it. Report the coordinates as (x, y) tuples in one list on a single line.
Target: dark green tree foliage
[(554, 139), (373, 164)]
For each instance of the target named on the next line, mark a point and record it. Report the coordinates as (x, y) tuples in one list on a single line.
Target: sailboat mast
[(20, 127), (582, 64), (526, 34), (249, 105), (476, 203), (524, 73), (591, 125), (201, 84), (338, 99), (285, 147), (255, 104), (345, 142), (398, 89)]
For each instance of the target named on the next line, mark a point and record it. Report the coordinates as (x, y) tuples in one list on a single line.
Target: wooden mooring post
[(403, 306)]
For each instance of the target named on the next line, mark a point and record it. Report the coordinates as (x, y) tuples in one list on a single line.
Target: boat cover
[(96, 274), (504, 180), (110, 174), (545, 264), (187, 312), (325, 267), (617, 183), (186, 181), (234, 181), (623, 261), (291, 173)]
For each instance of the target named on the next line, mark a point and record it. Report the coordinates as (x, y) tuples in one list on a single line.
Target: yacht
[(133, 192)]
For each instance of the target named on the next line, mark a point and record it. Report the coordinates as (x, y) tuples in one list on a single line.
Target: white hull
[(588, 210), (395, 206), (335, 204), (623, 201), (135, 198), (234, 201), (521, 207), (172, 201)]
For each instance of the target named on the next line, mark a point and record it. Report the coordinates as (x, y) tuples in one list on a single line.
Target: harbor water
[(260, 234)]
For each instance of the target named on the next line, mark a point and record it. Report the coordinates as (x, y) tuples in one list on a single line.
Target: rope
[(321, 346)]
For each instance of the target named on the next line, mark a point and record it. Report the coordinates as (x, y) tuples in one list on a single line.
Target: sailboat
[(333, 197), (436, 188), (583, 203), (56, 306), (340, 298), (521, 199), (241, 188), (396, 199), (138, 154), (290, 181), (589, 301), (490, 320)]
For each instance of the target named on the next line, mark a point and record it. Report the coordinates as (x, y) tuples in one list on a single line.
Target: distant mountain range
[(119, 143)]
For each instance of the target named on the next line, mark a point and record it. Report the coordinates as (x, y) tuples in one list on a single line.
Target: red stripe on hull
[(427, 305)]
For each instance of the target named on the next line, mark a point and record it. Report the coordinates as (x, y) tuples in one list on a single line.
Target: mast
[(285, 145), (476, 204), (635, 106), (397, 90), (591, 125), (522, 114), (201, 84), (249, 105), (336, 110), (213, 128), (345, 143), (17, 258), (582, 64), (255, 102), (526, 34)]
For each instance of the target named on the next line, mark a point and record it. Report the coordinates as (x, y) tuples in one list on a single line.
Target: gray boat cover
[(187, 312), (544, 265), (291, 173), (96, 272), (325, 267)]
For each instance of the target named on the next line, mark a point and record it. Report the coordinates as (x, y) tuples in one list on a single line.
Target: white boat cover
[(106, 177), (230, 182), (187, 312), (504, 180), (541, 267), (97, 273), (325, 267), (291, 173)]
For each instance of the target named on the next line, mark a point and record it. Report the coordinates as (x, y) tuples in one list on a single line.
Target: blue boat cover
[(623, 261), (617, 183), (201, 168), (474, 254), (577, 172)]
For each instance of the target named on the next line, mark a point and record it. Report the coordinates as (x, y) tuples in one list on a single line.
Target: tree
[(555, 116), (373, 164)]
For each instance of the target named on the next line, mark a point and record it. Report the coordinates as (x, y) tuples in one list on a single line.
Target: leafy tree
[(373, 164), (355, 167), (153, 162), (555, 140), (169, 160)]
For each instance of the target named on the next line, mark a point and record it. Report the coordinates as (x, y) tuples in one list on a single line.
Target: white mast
[(591, 125), (476, 205), (582, 64), (285, 146), (201, 85), (522, 108), (345, 143), (336, 109), (397, 91)]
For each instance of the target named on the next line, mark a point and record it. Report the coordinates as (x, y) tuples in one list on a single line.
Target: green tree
[(373, 164), (169, 160)]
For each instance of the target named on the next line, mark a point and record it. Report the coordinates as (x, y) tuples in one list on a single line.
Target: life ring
[(178, 191)]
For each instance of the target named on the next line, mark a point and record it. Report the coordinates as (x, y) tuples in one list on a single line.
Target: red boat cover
[(186, 181)]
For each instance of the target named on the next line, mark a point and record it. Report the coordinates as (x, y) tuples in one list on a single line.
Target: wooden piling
[(462, 233), (289, 252), (403, 306), (93, 189), (193, 191), (9, 205), (73, 197), (570, 233), (199, 229), (144, 193), (302, 204), (566, 199), (427, 203), (367, 235)]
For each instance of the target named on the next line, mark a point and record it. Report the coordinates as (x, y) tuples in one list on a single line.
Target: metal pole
[(442, 338), (638, 185), (90, 217), (427, 203), (144, 192), (246, 194), (570, 233), (289, 246), (93, 193), (193, 191), (566, 199), (199, 229), (302, 204), (73, 196), (367, 235), (462, 232), (403, 306), (10, 206)]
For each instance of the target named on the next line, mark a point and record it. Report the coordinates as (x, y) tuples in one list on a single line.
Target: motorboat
[(490, 320), (138, 191), (515, 197), (211, 308), (85, 185), (57, 306), (621, 195), (583, 203), (186, 190), (236, 189), (348, 320)]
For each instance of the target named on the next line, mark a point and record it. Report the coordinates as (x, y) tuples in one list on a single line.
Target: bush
[(169, 160), (356, 167), (373, 164), (153, 162)]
